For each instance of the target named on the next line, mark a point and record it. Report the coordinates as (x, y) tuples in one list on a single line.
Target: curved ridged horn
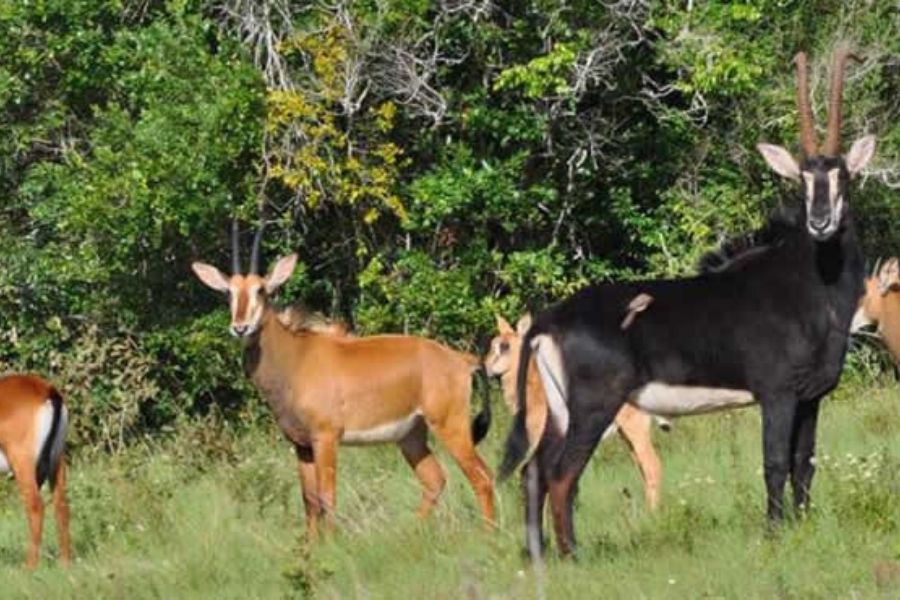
[(254, 253), (808, 141), (832, 145), (235, 247)]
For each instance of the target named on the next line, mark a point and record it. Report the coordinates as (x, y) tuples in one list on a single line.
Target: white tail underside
[(550, 367), (43, 422)]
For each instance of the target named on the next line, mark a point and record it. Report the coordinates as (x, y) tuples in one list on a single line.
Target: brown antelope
[(33, 422), (881, 305), (631, 423), (327, 390)]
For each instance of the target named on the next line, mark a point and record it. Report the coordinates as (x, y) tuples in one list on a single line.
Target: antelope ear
[(860, 320), (281, 272), (860, 154), (503, 325), (524, 324), (780, 160), (211, 276), (889, 277)]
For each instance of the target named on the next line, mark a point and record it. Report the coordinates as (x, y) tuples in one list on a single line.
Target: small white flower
[(671, 581)]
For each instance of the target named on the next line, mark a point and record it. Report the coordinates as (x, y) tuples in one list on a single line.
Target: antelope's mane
[(298, 320), (736, 251)]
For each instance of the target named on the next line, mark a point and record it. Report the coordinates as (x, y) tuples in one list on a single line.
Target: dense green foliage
[(217, 515), (433, 163)]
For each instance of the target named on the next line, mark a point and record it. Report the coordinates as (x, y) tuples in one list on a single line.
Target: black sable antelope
[(770, 326)]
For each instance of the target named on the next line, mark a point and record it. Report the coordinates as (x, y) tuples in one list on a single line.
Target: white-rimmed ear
[(860, 154), (211, 276), (524, 324), (281, 272), (889, 277), (780, 160)]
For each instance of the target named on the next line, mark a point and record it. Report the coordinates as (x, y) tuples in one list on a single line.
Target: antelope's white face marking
[(500, 357), (393, 431), (824, 202), (809, 183), (247, 299), (553, 377), (680, 400), (835, 197)]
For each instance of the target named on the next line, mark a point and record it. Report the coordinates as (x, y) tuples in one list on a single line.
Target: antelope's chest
[(292, 422)]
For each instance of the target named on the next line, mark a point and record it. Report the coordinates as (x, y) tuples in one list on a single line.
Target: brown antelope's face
[(871, 307), (248, 294), (503, 355)]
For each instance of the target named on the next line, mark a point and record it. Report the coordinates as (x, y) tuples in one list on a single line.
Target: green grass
[(218, 515)]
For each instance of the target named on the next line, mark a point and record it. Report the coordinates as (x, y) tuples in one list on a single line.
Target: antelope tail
[(482, 422), (53, 444)]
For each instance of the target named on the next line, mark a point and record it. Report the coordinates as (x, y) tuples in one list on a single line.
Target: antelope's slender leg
[(325, 458), (635, 429), (455, 435), (534, 489), (426, 466), (26, 479), (778, 412), (803, 447), (61, 510), (306, 471), (581, 440)]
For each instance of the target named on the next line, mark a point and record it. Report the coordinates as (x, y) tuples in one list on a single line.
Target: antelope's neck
[(266, 355), (889, 325), (841, 268), (508, 383)]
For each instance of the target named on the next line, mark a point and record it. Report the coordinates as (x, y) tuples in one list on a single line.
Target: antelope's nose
[(819, 225), (239, 330)]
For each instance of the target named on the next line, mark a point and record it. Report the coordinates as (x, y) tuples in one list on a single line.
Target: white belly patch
[(4, 463), (681, 400), (393, 431)]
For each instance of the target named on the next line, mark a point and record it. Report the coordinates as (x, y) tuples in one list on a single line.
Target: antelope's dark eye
[(504, 346)]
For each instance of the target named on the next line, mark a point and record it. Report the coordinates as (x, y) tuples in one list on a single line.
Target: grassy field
[(218, 515)]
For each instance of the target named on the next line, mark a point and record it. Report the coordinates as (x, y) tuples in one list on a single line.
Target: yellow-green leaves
[(541, 76)]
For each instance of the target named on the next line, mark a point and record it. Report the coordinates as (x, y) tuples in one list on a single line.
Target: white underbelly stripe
[(680, 400), (4, 463), (389, 432)]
